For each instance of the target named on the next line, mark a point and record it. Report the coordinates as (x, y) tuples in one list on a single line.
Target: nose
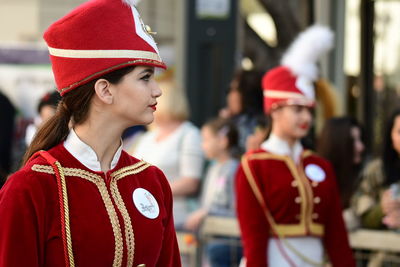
[(306, 114), (156, 90)]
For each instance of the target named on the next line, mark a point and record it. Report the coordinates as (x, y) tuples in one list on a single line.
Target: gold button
[(314, 184), (314, 216), (141, 265), (317, 200), (294, 183), (297, 199)]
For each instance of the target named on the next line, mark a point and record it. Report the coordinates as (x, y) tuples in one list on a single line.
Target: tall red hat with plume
[(96, 38), (291, 83)]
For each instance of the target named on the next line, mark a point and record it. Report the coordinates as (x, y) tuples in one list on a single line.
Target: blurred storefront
[(371, 64)]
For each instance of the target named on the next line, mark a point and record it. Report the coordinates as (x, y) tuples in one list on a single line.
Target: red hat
[(292, 83), (96, 38), (281, 88)]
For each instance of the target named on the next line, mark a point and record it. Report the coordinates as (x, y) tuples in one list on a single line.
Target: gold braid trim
[(66, 214), (133, 169), (253, 185), (136, 165), (99, 182), (129, 235)]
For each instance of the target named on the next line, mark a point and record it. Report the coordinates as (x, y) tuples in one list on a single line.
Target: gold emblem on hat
[(148, 30)]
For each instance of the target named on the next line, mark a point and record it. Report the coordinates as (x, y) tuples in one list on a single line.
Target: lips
[(154, 106), (304, 126)]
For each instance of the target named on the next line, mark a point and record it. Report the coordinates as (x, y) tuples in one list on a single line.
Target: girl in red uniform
[(287, 199), (79, 199)]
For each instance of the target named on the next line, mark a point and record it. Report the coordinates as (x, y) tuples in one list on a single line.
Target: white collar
[(276, 145), (85, 154)]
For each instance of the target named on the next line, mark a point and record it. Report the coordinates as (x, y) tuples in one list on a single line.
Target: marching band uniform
[(119, 218), (60, 209), (287, 198)]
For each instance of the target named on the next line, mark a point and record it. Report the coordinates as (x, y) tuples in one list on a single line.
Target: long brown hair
[(74, 107), (336, 144)]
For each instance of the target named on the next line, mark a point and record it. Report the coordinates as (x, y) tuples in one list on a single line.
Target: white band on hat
[(282, 94), (70, 53)]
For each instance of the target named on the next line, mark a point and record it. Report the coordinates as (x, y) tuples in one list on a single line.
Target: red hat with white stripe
[(96, 38), (292, 83)]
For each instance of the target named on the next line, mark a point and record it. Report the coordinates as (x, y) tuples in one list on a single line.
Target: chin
[(145, 120), (301, 134)]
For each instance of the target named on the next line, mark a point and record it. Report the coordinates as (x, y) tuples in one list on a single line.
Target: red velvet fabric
[(30, 233), (274, 179), (279, 79)]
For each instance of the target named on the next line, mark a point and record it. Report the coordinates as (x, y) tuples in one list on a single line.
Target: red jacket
[(107, 229), (299, 206)]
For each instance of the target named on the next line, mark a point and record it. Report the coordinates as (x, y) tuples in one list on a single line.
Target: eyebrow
[(151, 70)]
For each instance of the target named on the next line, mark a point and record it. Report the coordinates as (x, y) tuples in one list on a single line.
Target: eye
[(297, 109), (146, 77)]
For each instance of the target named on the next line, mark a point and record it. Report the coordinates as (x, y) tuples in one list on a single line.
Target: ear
[(102, 89), (275, 114)]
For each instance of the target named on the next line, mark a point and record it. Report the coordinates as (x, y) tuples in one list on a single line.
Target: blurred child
[(46, 109), (219, 143)]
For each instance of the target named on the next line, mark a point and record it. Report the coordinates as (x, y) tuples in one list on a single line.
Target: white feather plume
[(131, 2), (304, 52)]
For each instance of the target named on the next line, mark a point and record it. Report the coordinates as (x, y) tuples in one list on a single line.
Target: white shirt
[(178, 155), (278, 146), (85, 154)]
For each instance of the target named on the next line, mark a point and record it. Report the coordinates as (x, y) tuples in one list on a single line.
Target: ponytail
[(71, 110), (74, 107), (51, 133)]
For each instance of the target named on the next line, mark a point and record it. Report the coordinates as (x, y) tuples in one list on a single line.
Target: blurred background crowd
[(211, 111)]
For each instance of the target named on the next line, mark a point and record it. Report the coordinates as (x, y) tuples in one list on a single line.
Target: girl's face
[(47, 112), (135, 96), (291, 122), (358, 144), (212, 144), (396, 134), (234, 102)]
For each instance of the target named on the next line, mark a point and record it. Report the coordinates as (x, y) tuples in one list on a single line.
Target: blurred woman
[(341, 143), (244, 103), (377, 200), (174, 145)]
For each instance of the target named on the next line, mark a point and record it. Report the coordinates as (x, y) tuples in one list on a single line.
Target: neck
[(223, 157), (103, 137), (288, 139)]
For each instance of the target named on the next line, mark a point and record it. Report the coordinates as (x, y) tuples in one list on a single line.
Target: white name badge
[(315, 173), (145, 203)]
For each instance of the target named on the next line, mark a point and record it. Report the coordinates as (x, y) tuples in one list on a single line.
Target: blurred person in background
[(377, 200), (244, 103), (7, 117), (174, 145), (79, 199), (340, 142), (220, 145), (288, 203), (259, 135), (46, 109)]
